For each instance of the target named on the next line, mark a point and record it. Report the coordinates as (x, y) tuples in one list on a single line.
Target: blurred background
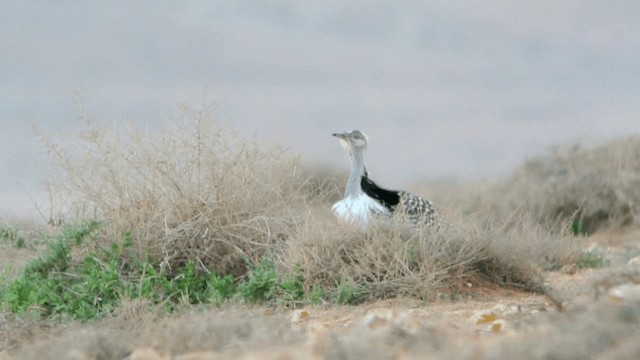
[(446, 91)]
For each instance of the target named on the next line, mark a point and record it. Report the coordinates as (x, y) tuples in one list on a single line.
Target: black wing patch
[(388, 198)]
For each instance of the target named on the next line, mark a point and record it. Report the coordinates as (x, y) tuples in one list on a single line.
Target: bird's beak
[(340, 136), (344, 140)]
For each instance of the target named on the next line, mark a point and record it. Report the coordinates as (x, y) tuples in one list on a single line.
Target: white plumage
[(364, 199), (358, 208)]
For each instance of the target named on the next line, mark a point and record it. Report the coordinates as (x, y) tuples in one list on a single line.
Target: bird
[(364, 200)]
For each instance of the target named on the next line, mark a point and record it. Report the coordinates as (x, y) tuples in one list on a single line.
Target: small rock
[(318, 338), (487, 318), (500, 309), (299, 316), (635, 261), (146, 354), (570, 269), (492, 319), (200, 355), (386, 313), (78, 355), (275, 353), (385, 317), (497, 326), (411, 320), (373, 321), (624, 293)]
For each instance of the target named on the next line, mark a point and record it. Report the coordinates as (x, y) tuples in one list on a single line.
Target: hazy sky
[(444, 89)]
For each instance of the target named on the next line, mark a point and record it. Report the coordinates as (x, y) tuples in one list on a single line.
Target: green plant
[(11, 235), (350, 293), (318, 295), (188, 285), (579, 227), (76, 233), (293, 285), (220, 288), (57, 257), (261, 283), (591, 260), (52, 284), (149, 284), (98, 290)]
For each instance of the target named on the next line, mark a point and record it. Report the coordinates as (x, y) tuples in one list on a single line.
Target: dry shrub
[(194, 192), (517, 251), (393, 259), (324, 183), (388, 258), (595, 186)]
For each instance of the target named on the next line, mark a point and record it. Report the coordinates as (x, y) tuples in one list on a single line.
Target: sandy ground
[(592, 313)]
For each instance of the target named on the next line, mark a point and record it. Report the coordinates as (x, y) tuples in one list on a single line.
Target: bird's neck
[(358, 169)]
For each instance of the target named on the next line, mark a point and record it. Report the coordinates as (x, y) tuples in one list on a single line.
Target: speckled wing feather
[(418, 210)]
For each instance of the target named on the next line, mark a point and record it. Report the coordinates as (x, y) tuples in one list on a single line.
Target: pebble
[(635, 261), (626, 293), (300, 316), (146, 354)]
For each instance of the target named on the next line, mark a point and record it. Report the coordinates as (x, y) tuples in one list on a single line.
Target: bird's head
[(353, 140)]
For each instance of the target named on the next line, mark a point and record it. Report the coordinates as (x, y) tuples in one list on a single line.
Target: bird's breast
[(358, 209)]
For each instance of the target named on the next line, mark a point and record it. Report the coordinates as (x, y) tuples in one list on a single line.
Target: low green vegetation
[(11, 235), (591, 260), (349, 293), (579, 228), (60, 282)]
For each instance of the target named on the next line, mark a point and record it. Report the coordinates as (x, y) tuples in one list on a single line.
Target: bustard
[(363, 199)]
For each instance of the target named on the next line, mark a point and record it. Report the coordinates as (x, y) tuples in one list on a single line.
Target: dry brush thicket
[(201, 193), (593, 186), (194, 192)]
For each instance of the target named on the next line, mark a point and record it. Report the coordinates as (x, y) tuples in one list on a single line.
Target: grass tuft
[(591, 260), (11, 235)]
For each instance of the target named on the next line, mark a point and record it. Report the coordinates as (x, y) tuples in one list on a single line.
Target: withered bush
[(593, 186), (393, 259), (390, 258), (195, 192), (516, 251)]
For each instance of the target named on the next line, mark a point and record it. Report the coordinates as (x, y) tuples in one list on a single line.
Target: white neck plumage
[(357, 206), (358, 169)]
